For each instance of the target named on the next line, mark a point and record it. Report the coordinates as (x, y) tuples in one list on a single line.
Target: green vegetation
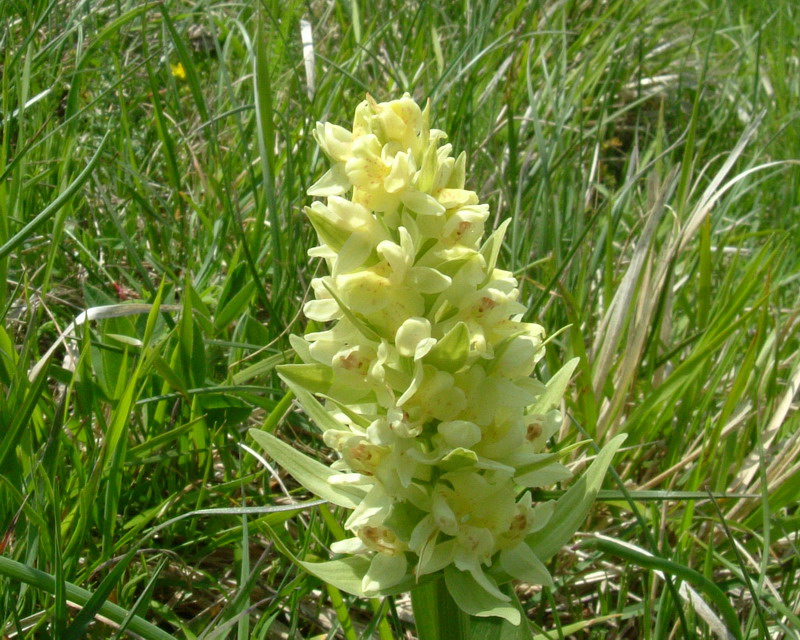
[(156, 156)]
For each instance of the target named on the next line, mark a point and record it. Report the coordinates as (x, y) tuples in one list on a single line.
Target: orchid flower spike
[(425, 366)]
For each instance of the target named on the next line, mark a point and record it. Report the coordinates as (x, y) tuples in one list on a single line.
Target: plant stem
[(436, 614), (438, 617)]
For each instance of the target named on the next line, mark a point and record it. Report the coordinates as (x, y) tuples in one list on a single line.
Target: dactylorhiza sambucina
[(425, 371)]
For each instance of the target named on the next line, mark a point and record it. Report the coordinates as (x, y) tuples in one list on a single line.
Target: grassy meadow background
[(156, 155)]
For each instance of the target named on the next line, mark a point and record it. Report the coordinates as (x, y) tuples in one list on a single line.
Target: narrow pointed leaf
[(319, 416), (316, 377), (309, 473), (451, 352), (573, 507), (491, 248), (555, 388)]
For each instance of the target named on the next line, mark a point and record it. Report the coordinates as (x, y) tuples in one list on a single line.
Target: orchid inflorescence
[(427, 366)]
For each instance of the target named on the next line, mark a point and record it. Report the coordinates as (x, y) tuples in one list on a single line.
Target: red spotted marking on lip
[(518, 523), (353, 362), (534, 431), (485, 304), (462, 228)]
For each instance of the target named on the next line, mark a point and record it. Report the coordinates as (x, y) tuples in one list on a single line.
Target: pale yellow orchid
[(426, 369)]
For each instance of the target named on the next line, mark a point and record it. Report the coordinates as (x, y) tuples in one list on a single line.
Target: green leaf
[(543, 460), (192, 77), (459, 458), (357, 418), (200, 310), (169, 375), (222, 408), (265, 135), (191, 346), (8, 357), (356, 319), (94, 604), (316, 378), (318, 414), (450, 353), (573, 507), (50, 210), (691, 576), (329, 233), (313, 475), (23, 573), (260, 368), (236, 279), (234, 307), (22, 415), (556, 386), (152, 313), (473, 599)]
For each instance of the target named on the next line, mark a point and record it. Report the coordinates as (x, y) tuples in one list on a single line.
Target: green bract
[(424, 373)]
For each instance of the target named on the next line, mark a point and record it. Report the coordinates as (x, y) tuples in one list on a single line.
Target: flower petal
[(421, 203), (333, 182), (429, 280), (460, 433), (349, 545), (335, 141), (410, 334)]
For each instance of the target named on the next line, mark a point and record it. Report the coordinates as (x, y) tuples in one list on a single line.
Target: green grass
[(648, 152)]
